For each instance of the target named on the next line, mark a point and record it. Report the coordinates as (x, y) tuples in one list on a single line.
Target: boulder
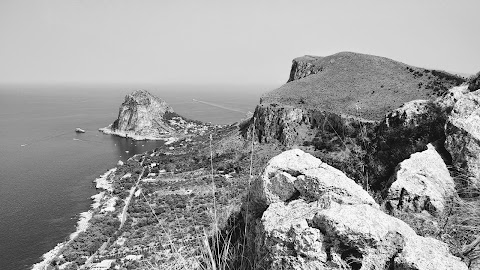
[(421, 182), (463, 135), (284, 240), (295, 173), (328, 235), (317, 222), (447, 101)]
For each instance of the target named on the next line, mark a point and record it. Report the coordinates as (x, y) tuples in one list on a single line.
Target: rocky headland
[(143, 116), (357, 162)]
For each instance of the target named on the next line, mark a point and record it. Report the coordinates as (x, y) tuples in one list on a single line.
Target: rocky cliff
[(141, 116), (418, 154), (360, 109)]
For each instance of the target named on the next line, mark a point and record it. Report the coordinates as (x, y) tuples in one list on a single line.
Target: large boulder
[(328, 235), (421, 182), (463, 135), (313, 220), (295, 173)]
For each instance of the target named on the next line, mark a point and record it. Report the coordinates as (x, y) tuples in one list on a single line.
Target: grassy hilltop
[(359, 84)]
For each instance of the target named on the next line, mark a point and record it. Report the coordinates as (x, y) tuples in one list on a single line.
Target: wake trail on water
[(87, 141), (46, 138), (49, 137), (219, 106)]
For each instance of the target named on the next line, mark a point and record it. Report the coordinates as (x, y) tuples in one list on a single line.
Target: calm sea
[(46, 169)]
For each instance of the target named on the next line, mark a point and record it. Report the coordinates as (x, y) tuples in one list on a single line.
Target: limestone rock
[(378, 236), (301, 235), (141, 117), (474, 82), (304, 66), (463, 134), (409, 114), (329, 226), (295, 172), (289, 125), (452, 96), (283, 233), (421, 182)]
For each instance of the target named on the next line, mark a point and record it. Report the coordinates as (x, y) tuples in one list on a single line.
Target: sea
[(47, 169)]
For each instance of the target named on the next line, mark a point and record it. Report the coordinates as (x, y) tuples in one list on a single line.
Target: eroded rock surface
[(474, 82), (463, 135), (295, 173), (304, 66), (329, 226), (421, 182)]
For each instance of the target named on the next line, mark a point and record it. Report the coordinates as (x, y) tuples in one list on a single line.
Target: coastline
[(125, 134), (102, 183)]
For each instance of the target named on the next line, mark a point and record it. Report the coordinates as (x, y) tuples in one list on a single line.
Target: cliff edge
[(357, 84)]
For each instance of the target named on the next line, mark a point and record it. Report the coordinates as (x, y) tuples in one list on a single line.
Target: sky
[(223, 41)]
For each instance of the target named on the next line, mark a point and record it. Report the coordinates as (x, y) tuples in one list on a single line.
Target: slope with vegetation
[(356, 84), (223, 199)]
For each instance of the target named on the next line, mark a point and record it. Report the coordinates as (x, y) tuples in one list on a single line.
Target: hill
[(357, 84)]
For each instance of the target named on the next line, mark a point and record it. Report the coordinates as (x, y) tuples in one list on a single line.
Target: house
[(103, 265)]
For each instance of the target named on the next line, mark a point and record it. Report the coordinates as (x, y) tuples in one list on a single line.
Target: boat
[(79, 130)]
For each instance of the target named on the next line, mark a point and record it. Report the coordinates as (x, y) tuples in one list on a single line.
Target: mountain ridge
[(357, 84)]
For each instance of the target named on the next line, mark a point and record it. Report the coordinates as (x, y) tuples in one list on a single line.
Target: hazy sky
[(234, 42)]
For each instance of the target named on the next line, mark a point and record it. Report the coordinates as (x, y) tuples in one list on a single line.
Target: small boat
[(79, 130)]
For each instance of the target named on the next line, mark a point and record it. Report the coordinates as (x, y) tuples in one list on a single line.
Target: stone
[(302, 235), (452, 96), (285, 241), (474, 82), (421, 182), (463, 135), (330, 226), (295, 172)]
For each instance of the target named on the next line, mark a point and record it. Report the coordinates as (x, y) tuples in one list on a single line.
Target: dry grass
[(347, 81), (222, 246)]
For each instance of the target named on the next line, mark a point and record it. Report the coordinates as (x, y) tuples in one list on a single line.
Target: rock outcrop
[(403, 132), (338, 228), (140, 117), (295, 173), (463, 135), (290, 125), (421, 182), (304, 66), (474, 82)]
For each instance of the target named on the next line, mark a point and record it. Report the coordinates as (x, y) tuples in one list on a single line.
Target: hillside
[(358, 84)]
